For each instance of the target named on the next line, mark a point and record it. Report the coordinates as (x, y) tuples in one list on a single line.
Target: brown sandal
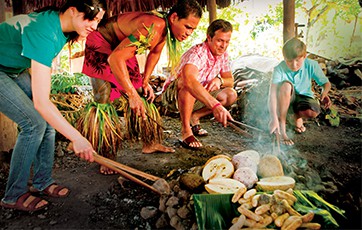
[(19, 205), (48, 192), (188, 141), (198, 131)]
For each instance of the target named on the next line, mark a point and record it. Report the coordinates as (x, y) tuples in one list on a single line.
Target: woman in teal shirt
[(28, 44)]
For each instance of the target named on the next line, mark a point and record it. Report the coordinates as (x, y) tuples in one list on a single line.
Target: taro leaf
[(332, 116)]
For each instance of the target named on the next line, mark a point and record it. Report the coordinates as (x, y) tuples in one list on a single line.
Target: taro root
[(191, 180)]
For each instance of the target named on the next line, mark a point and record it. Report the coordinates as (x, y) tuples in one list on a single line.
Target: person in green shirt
[(28, 44)]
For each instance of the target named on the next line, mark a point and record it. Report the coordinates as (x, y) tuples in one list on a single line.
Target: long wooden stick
[(243, 132), (125, 167), (100, 160), (119, 165), (245, 125)]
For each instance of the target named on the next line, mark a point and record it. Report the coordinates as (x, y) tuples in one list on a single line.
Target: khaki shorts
[(169, 98)]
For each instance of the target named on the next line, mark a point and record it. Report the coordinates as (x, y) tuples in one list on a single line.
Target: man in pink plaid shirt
[(203, 84)]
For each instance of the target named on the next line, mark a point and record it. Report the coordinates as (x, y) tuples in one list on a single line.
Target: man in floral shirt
[(202, 84)]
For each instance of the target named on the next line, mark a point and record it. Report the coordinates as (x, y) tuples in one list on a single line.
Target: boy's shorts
[(300, 102), (169, 98)]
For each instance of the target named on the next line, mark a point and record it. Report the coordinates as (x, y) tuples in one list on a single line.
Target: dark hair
[(183, 8), (219, 24), (90, 8), (294, 48)]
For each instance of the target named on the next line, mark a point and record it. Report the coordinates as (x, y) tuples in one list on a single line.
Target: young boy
[(291, 89)]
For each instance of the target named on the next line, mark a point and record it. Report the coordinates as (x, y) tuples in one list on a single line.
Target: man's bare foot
[(157, 148), (106, 171)]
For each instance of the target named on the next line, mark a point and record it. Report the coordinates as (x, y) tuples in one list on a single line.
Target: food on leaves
[(240, 161), (274, 183), (219, 167), (269, 166), (246, 176), (223, 186)]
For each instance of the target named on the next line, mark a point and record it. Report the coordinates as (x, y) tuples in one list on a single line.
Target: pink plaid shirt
[(209, 65)]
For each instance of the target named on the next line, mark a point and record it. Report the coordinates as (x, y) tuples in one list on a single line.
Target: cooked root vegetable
[(249, 193), (234, 220), (262, 209), (219, 167), (244, 162), (284, 195), (243, 200), (274, 216), (292, 223), (289, 209), (238, 194), (239, 223), (249, 214), (246, 176), (312, 226), (249, 222), (308, 217), (276, 182), (247, 205), (252, 154), (264, 222), (255, 200), (279, 221), (270, 166), (223, 186)]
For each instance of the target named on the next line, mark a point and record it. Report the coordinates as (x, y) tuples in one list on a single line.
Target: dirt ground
[(324, 159)]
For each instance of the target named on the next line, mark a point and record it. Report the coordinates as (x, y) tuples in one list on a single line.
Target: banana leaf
[(310, 201), (214, 211)]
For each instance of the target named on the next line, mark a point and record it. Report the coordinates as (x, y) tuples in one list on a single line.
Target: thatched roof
[(115, 6)]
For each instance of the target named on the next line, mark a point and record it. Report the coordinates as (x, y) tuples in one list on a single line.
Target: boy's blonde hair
[(294, 48)]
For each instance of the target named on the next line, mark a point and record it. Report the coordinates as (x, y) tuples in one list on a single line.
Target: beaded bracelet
[(216, 105)]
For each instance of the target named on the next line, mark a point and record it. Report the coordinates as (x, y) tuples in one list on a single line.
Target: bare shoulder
[(132, 21)]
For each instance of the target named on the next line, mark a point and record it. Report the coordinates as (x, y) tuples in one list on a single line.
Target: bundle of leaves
[(149, 130), (67, 82), (100, 124)]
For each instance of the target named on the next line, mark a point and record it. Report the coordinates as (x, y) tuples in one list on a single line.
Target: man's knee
[(231, 96)]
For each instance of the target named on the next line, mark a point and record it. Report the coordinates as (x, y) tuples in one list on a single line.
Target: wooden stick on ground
[(100, 160), (125, 167), (246, 126), (243, 132)]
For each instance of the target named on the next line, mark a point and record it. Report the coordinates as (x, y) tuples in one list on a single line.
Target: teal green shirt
[(36, 36), (301, 79)]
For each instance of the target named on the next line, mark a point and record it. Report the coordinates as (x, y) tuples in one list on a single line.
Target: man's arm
[(192, 85), (224, 80), (228, 79)]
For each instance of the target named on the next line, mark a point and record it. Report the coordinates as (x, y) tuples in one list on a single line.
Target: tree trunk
[(211, 7), (288, 19), (8, 133)]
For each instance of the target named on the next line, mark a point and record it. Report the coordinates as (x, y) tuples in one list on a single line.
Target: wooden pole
[(211, 7), (2, 10), (288, 19), (8, 133)]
